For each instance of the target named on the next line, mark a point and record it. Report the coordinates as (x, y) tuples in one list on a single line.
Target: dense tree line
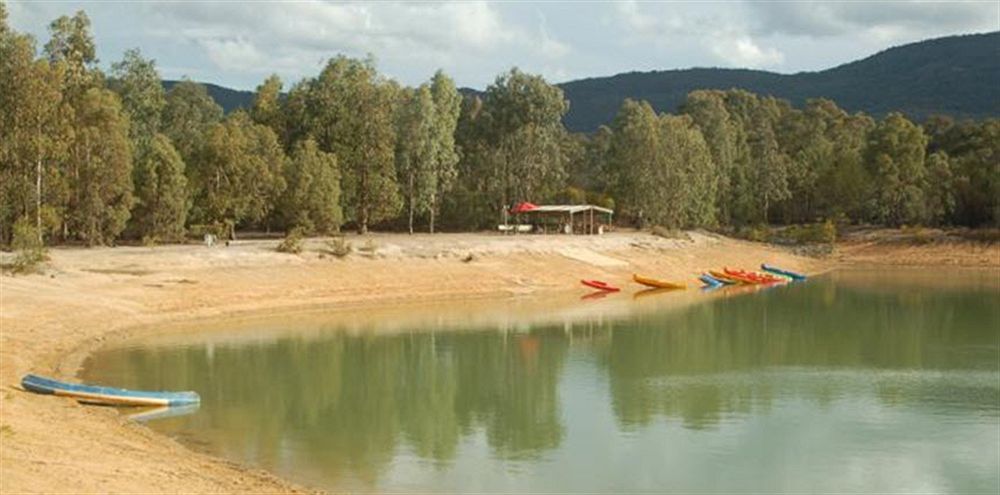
[(90, 157)]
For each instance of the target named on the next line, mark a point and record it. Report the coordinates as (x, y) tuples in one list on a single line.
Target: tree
[(138, 84), (707, 110), (33, 137), (447, 106), (665, 174), (895, 161), (100, 157), (312, 199), (514, 153), (188, 115), (939, 187), (416, 151), (349, 113), (266, 109), (161, 192), (634, 155), (239, 179), (72, 46)]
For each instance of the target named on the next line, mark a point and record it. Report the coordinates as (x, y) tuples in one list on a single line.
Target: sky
[(238, 44)]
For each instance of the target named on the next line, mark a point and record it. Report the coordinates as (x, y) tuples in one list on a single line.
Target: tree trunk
[(38, 198), (410, 200), (433, 209)]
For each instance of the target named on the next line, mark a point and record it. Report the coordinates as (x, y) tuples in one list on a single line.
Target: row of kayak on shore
[(711, 279)]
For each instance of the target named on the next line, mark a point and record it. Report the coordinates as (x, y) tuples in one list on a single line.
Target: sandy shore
[(88, 297)]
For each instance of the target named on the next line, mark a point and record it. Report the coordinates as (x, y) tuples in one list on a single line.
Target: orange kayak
[(753, 277), (726, 278)]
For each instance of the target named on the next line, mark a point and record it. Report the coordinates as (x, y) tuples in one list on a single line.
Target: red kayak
[(597, 284), (753, 277)]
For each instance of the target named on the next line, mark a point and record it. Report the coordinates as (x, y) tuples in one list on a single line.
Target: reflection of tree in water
[(717, 359), (348, 403)]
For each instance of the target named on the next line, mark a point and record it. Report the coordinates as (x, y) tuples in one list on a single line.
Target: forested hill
[(956, 75), (228, 99)]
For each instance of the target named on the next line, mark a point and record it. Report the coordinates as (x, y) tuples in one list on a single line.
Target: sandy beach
[(85, 298)]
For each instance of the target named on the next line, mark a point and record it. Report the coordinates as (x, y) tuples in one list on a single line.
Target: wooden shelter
[(567, 219)]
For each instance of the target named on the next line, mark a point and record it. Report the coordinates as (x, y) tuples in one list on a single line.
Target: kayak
[(726, 279), (658, 284), (597, 284), (107, 395), (710, 281), (753, 277), (787, 273)]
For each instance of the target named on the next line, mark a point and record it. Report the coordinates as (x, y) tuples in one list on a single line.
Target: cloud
[(742, 51), (882, 20), (720, 34), (275, 36)]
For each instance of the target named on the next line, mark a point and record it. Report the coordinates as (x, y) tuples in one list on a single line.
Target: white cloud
[(742, 51)]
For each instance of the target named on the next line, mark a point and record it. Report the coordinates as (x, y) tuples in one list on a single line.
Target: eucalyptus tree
[(101, 179), (939, 188), (350, 114), (635, 158), (187, 116), (707, 109), (416, 150), (161, 194), (33, 136), (240, 176), (312, 198), (895, 161), (138, 84), (158, 173), (447, 106), (266, 109), (72, 46), (664, 169), (516, 153)]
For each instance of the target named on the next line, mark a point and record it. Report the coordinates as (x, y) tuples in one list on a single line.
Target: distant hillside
[(956, 75), (229, 99)]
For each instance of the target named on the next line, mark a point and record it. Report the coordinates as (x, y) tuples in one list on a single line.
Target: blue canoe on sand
[(107, 395), (779, 271), (710, 281)]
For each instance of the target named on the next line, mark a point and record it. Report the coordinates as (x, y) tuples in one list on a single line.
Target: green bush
[(339, 247), (664, 232), (28, 245), (292, 242), (370, 246), (759, 233)]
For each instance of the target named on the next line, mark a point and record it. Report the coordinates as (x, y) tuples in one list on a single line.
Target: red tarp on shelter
[(523, 207)]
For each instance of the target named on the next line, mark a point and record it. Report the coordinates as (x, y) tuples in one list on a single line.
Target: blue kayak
[(107, 395), (710, 281), (778, 271)]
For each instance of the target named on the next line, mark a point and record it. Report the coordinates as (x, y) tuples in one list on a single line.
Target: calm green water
[(851, 382)]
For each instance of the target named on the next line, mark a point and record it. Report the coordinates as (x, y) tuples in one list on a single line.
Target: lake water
[(857, 381)]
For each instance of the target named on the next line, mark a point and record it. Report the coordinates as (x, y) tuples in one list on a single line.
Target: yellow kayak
[(659, 284)]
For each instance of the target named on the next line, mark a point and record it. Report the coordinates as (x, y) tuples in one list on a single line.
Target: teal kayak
[(785, 273)]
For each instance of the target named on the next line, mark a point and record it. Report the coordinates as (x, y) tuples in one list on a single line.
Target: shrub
[(29, 247), (339, 247), (664, 232), (370, 246), (759, 233), (292, 242)]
